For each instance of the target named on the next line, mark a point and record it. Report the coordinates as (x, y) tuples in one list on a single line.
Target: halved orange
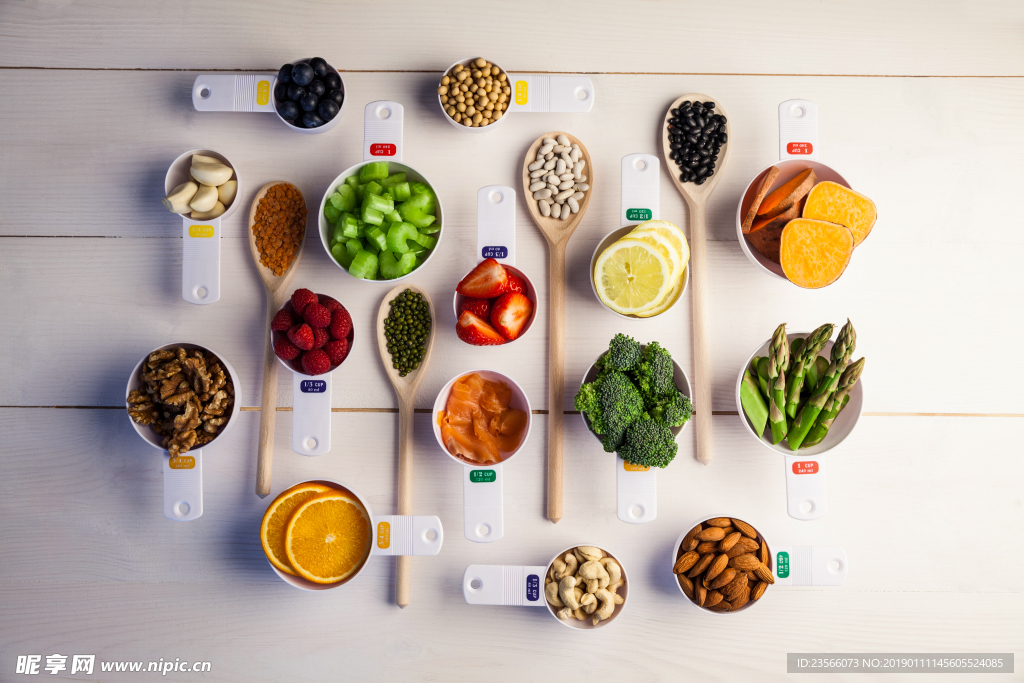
[(815, 253), (328, 537), (275, 522)]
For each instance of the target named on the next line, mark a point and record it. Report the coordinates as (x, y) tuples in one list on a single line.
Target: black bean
[(723, 138), (700, 181), (709, 105)]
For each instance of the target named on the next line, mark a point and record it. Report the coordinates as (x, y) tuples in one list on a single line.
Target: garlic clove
[(204, 199), (212, 174), (217, 210), (226, 192), (177, 201)]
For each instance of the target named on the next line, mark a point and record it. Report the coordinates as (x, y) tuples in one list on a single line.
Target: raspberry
[(283, 321), (341, 323), (317, 316), (285, 350), (337, 351), (315, 362), (302, 336), (331, 304), (320, 337), (302, 298)]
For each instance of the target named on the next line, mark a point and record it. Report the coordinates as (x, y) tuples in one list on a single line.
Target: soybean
[(475, 94)]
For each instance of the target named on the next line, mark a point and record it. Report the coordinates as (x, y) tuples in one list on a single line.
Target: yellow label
[(383, 535), (262, 92), (182, 462), (200, 231), (630, 467), (521, 92)]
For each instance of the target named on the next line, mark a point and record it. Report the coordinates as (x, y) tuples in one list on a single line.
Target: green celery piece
[(418, 201), (376, 236), (372, 187), (415, 247), (372, 216), (338, 234), (425, 240), (762, 376), (390, 267), (346, 198), (842, 349), (431, 228), (424, 189), (349, 226), (378, 203), (753, 403), (421, 258), (401, 192), (342, 255), (353, 181), (425, 222), (393, 217), (399, 234), (364, 266), (374, 170), (331, 213), (360, 191), (393, 179)]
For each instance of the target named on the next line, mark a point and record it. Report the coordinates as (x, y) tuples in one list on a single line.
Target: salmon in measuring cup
[(477, 424)]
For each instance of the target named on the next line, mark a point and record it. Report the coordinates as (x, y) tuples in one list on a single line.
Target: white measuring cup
[(791, 565), (496, 238), (182, 475), (636, 486), (483, 510), (806, 497), (311, 398), (251, 93), (391, 535), (200, 262), (534, 93), (639, 202), (798, 151), (523, 586), (382, 141)]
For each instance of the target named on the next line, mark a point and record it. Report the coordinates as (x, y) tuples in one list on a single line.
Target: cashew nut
[(585, 553), (564, 614), (579, 614), (589, 603), (619, 599), (613, 569), (614, 587), (558, 569), (571, 564), (595, 575), (566, 593), (551, 593), (607, 605)]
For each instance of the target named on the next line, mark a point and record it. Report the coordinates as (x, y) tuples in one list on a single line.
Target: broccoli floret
[(673, 410), (623, 353), (586, 403), (611, 403), (648, 443), (654, 376)]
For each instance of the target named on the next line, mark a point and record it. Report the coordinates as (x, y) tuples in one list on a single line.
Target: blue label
[(533, 587), (313, 386), (494, 252)]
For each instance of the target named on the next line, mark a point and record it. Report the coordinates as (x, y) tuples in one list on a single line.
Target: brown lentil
[(279, 226)]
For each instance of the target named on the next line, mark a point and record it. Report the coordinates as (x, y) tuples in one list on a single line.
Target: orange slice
[(328, 537), (813, 253), (275, 522)]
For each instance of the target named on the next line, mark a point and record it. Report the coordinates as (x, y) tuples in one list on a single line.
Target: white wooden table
[(921, 108)]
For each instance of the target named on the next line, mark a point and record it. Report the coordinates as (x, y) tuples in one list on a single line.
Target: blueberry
[(298, 121), (302, 74), (312, 120), (332, 80), (319, 65), (335, 95), (281, 91), (328, 109), (316, 88), (296, 92), (288, 110), (285, 74), (309, 102)]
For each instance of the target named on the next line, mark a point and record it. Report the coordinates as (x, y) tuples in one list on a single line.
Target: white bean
[(573, 205), (566, 185), (538, 173), (546, 148), (542, 194), (555, 210), (563, 195), (566, 158), (549, 202), (562, 140), (575, 154), (549, 156), (553, 187), (583, 178), (535, 165), (559, 201), (577, 195), (558, 149), (566, 176), (545, 209), (566, 212), (559, 166), (539, 185), (582, 187), (549, 164), (549, 141), (577, 170)]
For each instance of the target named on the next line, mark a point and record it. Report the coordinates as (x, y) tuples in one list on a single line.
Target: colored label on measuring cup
[(782, 565), (382, 149), (638, 214), (313, 386), (800, 148), (630, 467), (805, 467), (200, 231), (532, 587), (482, 476), (384, 535), (182, 462), (494, 252), (262, 92), (522, 92)]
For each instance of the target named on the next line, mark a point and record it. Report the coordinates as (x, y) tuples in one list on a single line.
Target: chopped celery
[(376, 236), (338, 234), (372, 216), (393, 217), (424, 189), (401, 192), (344, 198), (393, 179), (415, 247), (370, 245), (349, 225), (372, 187), (431, 228), (331, 213), (374, 170), (390, 268), (354, 246), (341, 255), (426, 240), (364, 266), (378, 203), (398, 234), (352, 181)]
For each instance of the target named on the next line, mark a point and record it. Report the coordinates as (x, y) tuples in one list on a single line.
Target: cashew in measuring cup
[(582, 584), (557, 180), (476, 94)]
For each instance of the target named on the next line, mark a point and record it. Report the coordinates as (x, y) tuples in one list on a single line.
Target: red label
[(799, 148), (805, 467), (382, 149)]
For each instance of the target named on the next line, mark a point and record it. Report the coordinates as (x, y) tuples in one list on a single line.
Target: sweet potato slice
[(766, 233), (814, 253), (828, 201), (762, 190), (788, 194), (776, 221)]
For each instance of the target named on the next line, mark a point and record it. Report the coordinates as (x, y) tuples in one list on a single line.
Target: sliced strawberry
[(487, 281), (478, 307), (474, 330), (515, 283), (510, 313)]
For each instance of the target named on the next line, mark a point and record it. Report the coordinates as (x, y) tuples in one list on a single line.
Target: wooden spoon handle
[(556, 377), (268, 407), (406, 413), (701, 348)]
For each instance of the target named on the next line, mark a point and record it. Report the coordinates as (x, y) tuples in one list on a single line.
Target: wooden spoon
[(405, 388), (277, 291), (557, 232), (696, 197)]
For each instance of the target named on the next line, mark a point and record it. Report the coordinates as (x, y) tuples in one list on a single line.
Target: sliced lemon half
[(632, 275), (671, 233)]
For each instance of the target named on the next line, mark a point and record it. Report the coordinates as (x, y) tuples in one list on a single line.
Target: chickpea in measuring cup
[(475, 94)]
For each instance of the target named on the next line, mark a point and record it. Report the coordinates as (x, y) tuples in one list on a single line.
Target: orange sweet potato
[(834, 203), (763, 222), (766, 233), (815, 253), (762, 190), (788, 194)]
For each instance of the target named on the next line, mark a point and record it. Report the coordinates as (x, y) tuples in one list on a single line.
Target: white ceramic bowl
[(787, 170), (614, 236), (179, 170), (327, 126), (841, 428), (531, 293), (297, 367), (588, 625), (470, 129)]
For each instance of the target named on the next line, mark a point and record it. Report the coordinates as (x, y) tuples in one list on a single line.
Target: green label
[(638, 214), (782, 565), (478, 476)]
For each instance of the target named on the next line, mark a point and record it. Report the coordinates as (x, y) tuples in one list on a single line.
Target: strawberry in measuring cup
[(495, 305)]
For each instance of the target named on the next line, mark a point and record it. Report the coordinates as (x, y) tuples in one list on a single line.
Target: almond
[(765, 555), (702, 594), (714, 597), (723, 606), (701, 565), (759, 588), (745, 561), (685, 562), (687, 585), (689, 537), (720, 563), (720, 521), (729, 541), (750, 544), (710, 534), (735, 586), (742, 599), (707, 547), (748, 531), (736, 550), (728, 530), (762, 572), (723, 579)]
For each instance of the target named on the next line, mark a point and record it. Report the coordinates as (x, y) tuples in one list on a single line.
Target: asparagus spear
[(778, 364), (753, 403), (846, 342), (810, 349), (762, 376), (835, 404)]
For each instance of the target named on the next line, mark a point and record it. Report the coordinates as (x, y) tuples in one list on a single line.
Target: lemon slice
[(668, 250), (631, 276), (275, 522), (670, 298), (328, 538), (670, 232)]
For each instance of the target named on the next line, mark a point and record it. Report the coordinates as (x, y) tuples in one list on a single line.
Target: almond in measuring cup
[(723, 565)]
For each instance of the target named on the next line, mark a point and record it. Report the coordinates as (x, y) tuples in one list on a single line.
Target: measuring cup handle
[(233, 92), (544, 93), (311, 414), (183, 486), (407, 535), (200, 261), (493, 584), (809, 565), (806, 497), (482, 503), (798, 130), (636, 492), (640, 198), (382, 131), (496, 224)]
